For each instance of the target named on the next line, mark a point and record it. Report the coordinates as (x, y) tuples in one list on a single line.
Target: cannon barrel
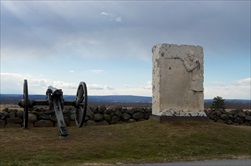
[(54, 91)]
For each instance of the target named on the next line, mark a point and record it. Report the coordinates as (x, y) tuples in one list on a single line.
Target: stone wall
[(237, 116), (101, 115), (97, 115)]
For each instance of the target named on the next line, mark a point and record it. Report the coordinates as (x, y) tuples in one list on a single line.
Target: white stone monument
[(177, 79)]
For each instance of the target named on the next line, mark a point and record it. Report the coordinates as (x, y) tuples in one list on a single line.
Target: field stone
[(115, 119), (108, 111), (2, 116), (90, 114), (126, 116), (130, 111), (5, 115), (13, 125), (107, 117), (131, 120), (118, 112), (32, 117), (5, 110), (242, 114), (248, 118), (91, 123), (98, 117), (147, 115), (102, 123), (229, 122), (12, 113), (14, 120), (44, 116), (101, 109), (44, 123), (218, 112), (224, 117), (20, 114), (138, 115), (238, 120)]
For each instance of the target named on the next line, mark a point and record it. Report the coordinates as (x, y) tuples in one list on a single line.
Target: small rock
[(131, 120)]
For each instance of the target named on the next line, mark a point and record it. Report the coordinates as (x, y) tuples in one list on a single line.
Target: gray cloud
[(79, 28)]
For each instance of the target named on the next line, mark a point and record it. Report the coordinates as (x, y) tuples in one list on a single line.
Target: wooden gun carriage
[(54, 99)]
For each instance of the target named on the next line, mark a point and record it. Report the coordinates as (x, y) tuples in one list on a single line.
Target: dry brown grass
[(146, 141)]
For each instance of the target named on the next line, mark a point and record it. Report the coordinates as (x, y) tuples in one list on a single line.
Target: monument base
[(179, 118)]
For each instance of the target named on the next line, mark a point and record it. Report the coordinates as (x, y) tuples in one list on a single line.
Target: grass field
[(141, 142)]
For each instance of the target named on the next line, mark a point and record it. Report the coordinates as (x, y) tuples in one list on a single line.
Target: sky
[(108, 44)]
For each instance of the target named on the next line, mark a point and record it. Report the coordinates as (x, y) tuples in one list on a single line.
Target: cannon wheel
[(26, 105), (81, 104)]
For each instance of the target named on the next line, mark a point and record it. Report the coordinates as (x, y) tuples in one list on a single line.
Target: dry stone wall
[(237, 116), (101, 115), (97, 115)]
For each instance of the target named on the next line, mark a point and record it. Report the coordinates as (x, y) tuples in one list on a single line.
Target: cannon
[(55, 101)]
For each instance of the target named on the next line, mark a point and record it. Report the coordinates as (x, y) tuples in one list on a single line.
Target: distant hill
[(15, 98)]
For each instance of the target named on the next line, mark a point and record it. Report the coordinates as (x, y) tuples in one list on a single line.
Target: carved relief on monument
[(178, 80)]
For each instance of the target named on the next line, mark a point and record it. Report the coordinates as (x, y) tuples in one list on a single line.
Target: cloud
[(97, 71), (239, 89), (99, 87), (55, 28), (243, 82), (111, 16), (13, 83), (149, 85)]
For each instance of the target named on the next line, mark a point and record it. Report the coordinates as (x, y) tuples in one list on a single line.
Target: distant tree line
[(228, 104)]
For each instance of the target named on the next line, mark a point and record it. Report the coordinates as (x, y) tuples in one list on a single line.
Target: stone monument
[(177, 79)]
